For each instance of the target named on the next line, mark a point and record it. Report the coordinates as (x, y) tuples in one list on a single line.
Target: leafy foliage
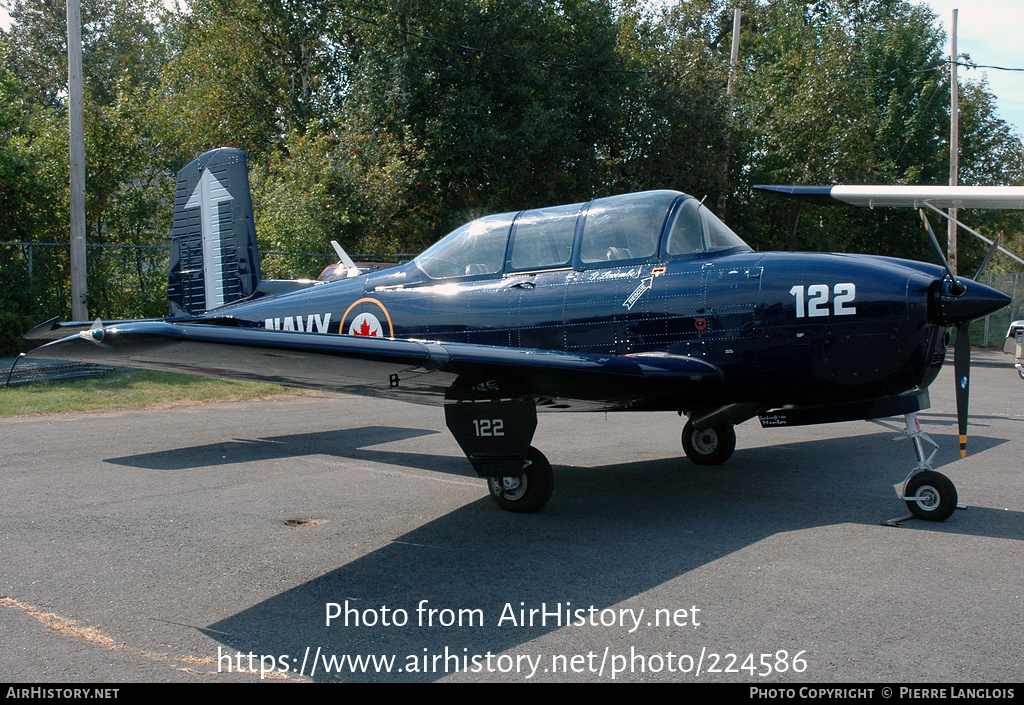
[(385, 125), (845, 91)]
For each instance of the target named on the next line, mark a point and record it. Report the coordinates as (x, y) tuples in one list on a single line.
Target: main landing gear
[(712, 446), (495, 436), (528, 491), (709, 437)]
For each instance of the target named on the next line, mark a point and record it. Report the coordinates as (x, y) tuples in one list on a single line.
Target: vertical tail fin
[(214, 258)]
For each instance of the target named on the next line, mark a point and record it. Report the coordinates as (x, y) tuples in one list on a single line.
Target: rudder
[(214, 258)]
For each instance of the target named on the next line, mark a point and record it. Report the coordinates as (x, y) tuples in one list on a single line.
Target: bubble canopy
[(618, 230)]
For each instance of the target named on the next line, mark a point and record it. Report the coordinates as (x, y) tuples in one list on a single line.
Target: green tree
[(506, 102), (119, 41), (838, 91), (220, 88), (295, 208), (671, 122), (991, 154), (126, 179), (33, 187)]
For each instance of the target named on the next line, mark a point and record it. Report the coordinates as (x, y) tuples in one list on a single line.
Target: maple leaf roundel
[(366, 324)]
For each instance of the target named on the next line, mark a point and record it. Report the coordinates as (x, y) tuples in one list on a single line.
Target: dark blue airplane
[(638, 302)]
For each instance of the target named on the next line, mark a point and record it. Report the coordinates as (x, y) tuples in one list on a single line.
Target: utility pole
[(954, 143), (734, 58), (76, 152), (737, 15)]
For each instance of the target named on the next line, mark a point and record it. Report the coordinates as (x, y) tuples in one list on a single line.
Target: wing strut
[(973, 232)]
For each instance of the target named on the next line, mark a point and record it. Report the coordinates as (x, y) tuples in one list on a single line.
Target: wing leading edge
[(414, 370), (1004, 197)]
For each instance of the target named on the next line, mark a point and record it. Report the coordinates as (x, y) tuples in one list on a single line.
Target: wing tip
[(821, 195)]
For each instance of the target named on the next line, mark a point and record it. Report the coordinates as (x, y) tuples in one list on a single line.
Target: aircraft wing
[(933, 197), (414, 370), (1006, 197)]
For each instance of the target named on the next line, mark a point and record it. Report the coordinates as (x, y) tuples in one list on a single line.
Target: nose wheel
[(930, 495)]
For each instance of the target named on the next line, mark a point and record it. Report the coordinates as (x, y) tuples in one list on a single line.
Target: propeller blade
[(962, 370), (956, 288), (962, 362)]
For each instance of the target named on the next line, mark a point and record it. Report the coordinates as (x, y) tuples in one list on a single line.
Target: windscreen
[(474, 249)]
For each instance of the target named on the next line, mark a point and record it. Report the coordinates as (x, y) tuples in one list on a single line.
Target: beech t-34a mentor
[(638, 302)]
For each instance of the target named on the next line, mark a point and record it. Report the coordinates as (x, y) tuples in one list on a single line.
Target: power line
[(987, 66), (912, 72)]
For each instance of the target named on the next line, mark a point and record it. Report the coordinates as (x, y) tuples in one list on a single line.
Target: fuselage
[(785, 328), (643, 301)]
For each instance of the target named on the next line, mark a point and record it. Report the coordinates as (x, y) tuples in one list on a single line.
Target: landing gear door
[(494, 435)]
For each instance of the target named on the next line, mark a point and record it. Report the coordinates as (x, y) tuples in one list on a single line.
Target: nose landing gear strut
[(929, 494)]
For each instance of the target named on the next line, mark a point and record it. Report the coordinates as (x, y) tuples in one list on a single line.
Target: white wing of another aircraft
[(932, 197), (1011, 197), (1007, 197)]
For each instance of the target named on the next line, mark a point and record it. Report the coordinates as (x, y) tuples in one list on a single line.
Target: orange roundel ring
[(344, 319)]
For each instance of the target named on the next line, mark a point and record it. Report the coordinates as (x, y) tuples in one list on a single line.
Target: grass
[(129, 389)]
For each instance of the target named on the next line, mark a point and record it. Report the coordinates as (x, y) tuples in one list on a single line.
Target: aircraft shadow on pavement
[(609, 535), (977, 420), (353, 443)]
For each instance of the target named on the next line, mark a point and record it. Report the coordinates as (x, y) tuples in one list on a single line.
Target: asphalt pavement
[(346, 539)]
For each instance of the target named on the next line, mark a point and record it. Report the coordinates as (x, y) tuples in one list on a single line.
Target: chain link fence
[(992, 330), (18, 370), (130, 280)]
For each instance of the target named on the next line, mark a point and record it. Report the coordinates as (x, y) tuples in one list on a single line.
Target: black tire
[(937, 493), (530, 491), (712, 446)]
